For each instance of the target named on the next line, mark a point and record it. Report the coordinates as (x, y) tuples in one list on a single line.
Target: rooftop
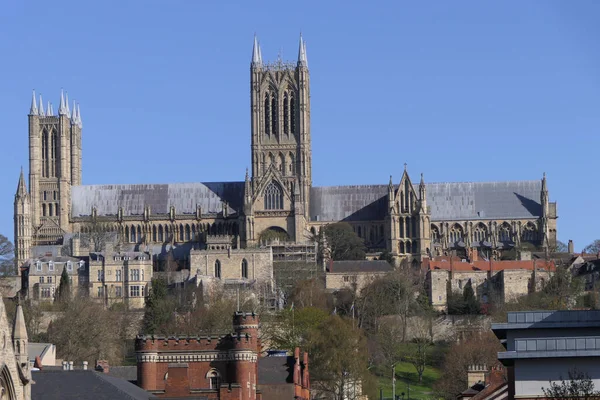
[(547, 320)]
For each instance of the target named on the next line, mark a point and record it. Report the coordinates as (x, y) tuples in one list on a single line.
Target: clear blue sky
[(461, 90)]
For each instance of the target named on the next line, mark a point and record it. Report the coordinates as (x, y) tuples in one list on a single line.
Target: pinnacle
[(33, 110), (62, 110), (256, 54), (41, 110), (302, 61)]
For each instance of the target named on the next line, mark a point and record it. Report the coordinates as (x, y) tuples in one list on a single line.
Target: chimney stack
[(571, 247), (476, 373)]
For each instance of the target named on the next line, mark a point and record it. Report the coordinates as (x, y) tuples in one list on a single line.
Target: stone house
[(120, 277), (40, 277), (354, 275), (507, 280)]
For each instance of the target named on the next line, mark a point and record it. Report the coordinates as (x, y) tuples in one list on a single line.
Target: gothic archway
[(273, 234)]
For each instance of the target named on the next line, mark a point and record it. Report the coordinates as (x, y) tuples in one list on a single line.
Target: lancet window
[(273, 197)]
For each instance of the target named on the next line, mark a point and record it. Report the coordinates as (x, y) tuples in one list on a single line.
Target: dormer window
[(51, 266), (38, 265)]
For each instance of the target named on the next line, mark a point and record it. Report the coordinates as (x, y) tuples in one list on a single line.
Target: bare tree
[(7, 257), (96, 235), (578, 386)]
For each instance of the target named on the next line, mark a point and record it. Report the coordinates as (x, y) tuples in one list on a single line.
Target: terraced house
[(275, 199)]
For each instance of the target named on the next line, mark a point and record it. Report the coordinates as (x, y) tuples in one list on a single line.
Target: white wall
[(533, 374)]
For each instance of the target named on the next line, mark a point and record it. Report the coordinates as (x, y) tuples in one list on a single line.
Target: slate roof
[(82, 385), (160, 197), (359, 266), (348, 203), (447, 201), (275, 370)]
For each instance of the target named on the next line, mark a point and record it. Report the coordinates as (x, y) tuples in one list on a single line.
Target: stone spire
[(49, 110), (391, 184), (302, 61), (423, 194), (256, 55), (21, 187), (33, 110), (19, 328), (62, 109), (41, 110)]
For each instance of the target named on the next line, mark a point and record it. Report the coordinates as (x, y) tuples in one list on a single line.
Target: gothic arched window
[(435, 234), (480, 233), (274, 114), (187, 233), (292, 115), (273, 197), (267, 114), (154, 233), (161, 238), (504, 233), (244, 269), (218, 269), (286, 113)]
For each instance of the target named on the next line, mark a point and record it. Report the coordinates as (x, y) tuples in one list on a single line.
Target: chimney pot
[(65, 365), (70, 365), (85, 365)]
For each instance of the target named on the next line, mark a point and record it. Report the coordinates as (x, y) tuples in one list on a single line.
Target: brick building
[(219, 367)]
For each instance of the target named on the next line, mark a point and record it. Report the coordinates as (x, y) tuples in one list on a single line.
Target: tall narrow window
[(154, 233), (133, 237), (187, 233), (292, 115), (274, 114), (161, 238), (286, 113), (181, 232), (244, 269), (54, 159), (273, 197), (218, 269), (267, 115), (44, 154)]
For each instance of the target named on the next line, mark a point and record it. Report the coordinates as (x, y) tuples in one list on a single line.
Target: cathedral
[(275, 200)]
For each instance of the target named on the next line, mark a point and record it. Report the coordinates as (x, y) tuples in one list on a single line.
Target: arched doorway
[(273, 234)]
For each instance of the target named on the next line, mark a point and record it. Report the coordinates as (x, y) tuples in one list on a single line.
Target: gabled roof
[(160, 197), (83, 385), (359, 266)]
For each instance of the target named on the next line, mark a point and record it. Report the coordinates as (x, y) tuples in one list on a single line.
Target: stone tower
[(54, 166), (23, 227), (280, 145)]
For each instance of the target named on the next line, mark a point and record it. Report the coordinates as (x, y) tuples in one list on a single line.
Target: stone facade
[(40, 277), (120, 277), (275, 200), (15, 373), (354, 275), (507, 280)]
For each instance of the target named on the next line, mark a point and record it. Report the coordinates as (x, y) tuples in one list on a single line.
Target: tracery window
[(273, 197), (530, 233), (292, 114), (480, 233), (504, 233), (273, 114), (456, 234)]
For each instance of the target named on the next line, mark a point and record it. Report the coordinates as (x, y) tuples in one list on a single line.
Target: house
[(223, 367), (354, 275), (485, 384), (545, 346), (40, 276), (507, 279)]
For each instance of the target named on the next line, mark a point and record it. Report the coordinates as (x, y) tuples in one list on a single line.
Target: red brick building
[(217, 367)]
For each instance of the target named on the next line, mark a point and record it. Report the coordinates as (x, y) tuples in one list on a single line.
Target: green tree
[(160, 309), (470, 303), (64, 288), (7, 257), (292, 327), (578, 386), (343, 243), (339, 359)]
